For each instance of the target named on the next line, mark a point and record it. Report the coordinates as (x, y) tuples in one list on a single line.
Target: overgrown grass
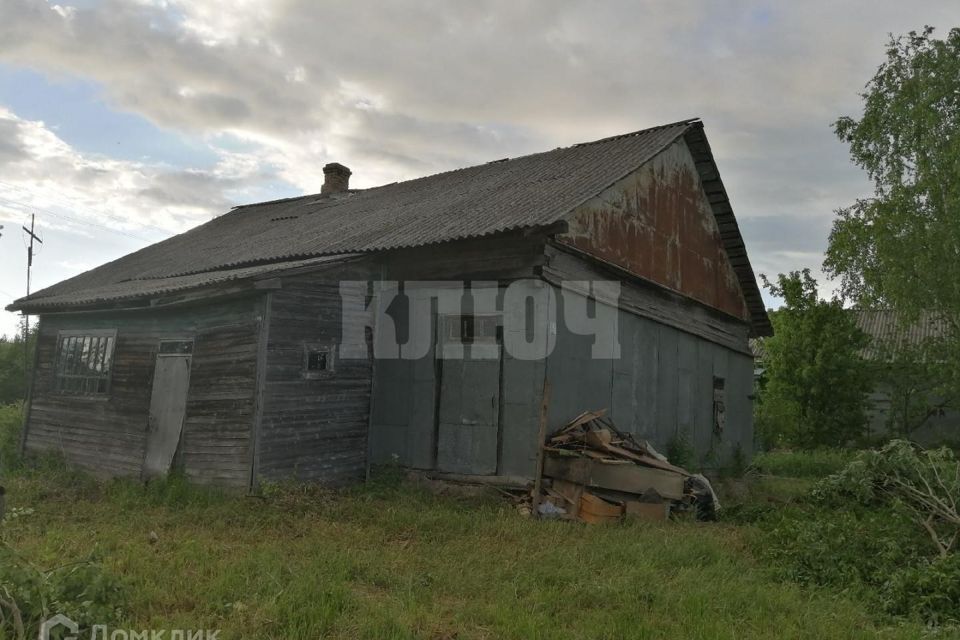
[(803, 464), (393, 561), (848, 533), (389, 561), (11, 417)]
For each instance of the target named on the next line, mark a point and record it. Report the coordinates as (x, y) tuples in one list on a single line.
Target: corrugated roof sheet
[(531, 191), (150, 287), (888, 332)]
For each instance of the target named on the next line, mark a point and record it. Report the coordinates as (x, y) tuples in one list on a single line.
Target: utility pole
[(26, 317)]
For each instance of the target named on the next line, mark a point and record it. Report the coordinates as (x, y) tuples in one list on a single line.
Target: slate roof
[(889, 333), (886, 331), (527, 192), (150, 287)]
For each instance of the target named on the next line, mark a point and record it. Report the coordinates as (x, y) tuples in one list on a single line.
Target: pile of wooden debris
[(593, 472)]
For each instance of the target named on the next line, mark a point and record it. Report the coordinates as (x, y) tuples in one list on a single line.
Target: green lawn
[(387, 561)]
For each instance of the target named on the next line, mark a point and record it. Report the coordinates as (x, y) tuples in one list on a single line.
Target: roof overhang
[(157, 293), (733, 243)]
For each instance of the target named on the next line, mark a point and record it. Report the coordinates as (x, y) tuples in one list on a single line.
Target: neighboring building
[(244, 348), (938, 421), (892, 343)]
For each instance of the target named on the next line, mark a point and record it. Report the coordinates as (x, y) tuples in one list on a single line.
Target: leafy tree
[(14, 361), (815, 379), (911, 375), (901, 248)]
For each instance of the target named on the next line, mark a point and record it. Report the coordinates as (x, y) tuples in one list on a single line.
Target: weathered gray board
[(661, 387), (107, 434), (403, 426), (629, 478), (317, 429), (312, 428), (648, 300), (168, 407), (469, 416)]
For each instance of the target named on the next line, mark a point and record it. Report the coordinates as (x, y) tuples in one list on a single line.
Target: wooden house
[(222, 351)]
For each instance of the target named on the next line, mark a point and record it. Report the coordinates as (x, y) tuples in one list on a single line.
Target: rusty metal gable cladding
[(658, 224), (527, 192)]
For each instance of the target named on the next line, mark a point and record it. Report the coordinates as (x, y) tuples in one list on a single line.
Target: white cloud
[(91, 209), (413, 87), (42, 172), (400, 89)]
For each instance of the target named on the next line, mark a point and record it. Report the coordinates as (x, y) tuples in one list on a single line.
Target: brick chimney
[(336, 179)]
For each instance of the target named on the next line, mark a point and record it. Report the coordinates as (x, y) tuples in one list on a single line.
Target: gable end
[(669, 222)]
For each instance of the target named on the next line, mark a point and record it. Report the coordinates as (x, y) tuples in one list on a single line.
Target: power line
[(70, 205), (78, 221)]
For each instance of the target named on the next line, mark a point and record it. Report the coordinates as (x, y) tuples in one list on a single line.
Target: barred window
[(84, 362)]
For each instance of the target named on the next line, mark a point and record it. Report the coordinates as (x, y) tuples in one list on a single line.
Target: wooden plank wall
[(503, 257), (404, 425), (312, 429), (106, 434), (220, 407), (405, 392), (648, 299), (661, 387), (318, 429)]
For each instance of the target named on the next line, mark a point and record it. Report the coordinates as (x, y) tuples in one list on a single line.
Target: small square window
[(318, 360), (470, 329), (176, 347)]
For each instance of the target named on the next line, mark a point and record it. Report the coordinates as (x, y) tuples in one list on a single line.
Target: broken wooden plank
[(510, 482), (646, 460), (571, 493), (619, 477), (596, 510), (582, 419), (648, 510)]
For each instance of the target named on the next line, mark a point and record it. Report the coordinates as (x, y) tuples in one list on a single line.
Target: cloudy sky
[(122, 123)]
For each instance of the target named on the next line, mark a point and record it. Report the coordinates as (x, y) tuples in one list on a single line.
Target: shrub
[(815, 381), (928, 591), (11, 418), (846, 548), (680, 450), (83, 591), (884, 525), (922, 484)]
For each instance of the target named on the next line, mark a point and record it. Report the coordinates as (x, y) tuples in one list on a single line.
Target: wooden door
[(469, 409), (168, 405)]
